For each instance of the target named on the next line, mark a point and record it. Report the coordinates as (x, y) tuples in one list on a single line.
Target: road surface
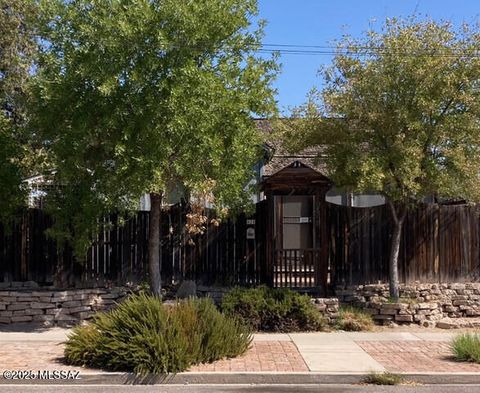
[(238, 389)]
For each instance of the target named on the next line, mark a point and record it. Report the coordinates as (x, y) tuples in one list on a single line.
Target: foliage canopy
[(138, 96), (400, 112), (17, 54)]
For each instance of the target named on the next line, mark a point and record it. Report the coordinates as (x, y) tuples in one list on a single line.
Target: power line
[(364, 54), (357, 50), (353, 50), (319, 50), (354, 47)]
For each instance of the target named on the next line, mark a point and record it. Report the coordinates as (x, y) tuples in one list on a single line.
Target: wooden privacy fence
[(222, 255), (440, 243)]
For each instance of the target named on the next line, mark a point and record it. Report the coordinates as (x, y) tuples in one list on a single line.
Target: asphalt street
[(239, 388)]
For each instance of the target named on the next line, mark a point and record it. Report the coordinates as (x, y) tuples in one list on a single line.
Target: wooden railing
[(296, 268)]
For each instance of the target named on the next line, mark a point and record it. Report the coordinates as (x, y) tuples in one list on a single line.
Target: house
[(293, 194), (305, 234), (275, 158), (318, 236), (278, 158)]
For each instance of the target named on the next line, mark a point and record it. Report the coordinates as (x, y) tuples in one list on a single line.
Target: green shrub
[(143, 335), (221, 336), (274, 310), (353, 319), (466, 347), (385, 378)]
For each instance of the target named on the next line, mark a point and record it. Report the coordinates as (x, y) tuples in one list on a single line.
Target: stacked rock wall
[(53, 307), (421, 303), (329, 307)]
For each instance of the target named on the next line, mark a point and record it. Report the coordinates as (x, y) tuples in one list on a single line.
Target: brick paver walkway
[(36, 355), (281, 356), (416, 356), (271, 353)]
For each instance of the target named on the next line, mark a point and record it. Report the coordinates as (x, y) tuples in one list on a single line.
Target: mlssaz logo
[(59, 374), (41, 374)]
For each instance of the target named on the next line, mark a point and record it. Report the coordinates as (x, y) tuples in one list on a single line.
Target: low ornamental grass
[(466, 347), (144, 336), (273, 309), (385, 378), (352, 319)]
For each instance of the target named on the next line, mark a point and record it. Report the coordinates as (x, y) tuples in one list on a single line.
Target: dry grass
[(385, 378), (354, 320)]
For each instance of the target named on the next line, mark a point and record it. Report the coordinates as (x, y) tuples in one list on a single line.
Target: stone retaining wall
[(328, 307), (23, 303), (52, 307), (423, 304)]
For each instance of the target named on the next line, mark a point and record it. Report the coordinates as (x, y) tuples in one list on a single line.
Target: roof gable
[(297, 175), (280, 157)]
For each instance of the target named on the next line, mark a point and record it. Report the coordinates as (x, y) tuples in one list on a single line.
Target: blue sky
[(319, 22)]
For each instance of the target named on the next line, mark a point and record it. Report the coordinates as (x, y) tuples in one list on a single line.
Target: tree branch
[(398, 213)]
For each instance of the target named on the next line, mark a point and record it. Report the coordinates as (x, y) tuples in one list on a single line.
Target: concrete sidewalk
[(353, 352), (278, 357)]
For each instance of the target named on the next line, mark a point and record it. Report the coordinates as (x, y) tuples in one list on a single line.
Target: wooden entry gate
[(297, 268), (296, 238)]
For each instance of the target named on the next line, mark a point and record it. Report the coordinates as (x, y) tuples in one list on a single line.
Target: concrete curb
[(258, 378)]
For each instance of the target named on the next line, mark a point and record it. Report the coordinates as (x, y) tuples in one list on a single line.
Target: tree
[(138, 96), (400, 114), (17, 54)]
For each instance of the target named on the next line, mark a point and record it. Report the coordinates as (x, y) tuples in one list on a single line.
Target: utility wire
[(363, 54), (361, 51), (318, 50), (354, 50)]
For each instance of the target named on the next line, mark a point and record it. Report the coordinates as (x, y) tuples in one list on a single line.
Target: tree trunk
[(398, 218), (154, 243), (396, 237)]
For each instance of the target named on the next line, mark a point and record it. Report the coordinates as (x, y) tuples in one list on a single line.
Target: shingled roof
[(282, 158)]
